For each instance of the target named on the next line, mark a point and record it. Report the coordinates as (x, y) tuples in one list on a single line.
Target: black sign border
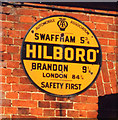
[(56, 95)]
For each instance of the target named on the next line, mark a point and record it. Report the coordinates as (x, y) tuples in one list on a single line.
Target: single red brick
[(92, 114), (104, 34), (100, 85), (6, 56), (22, 26), (83, 99), (73, 113), (7, 25), (113, 42), (81, 17), (24, 80), (83, 113), (61, 105), (91, 106), (107, 88), (27, 12), (60, 112), (12, 95), (12, 49), (91, 92), (110, 65), (102, 19), (6, 40), (10, 110), (76, 99), (24, 95), (18, 72), (44, 104), (16, 57), (105, 72), (5, 102), (80, 106), (14, 18), (92, 99), (48, 112), (113, 80), (36, 111), (23, 110), (6, 87), (24, 103), (103, 41), (12, 80), (113, 28), (26, 19), (90, 25), (37, 96), (23, 87), (111, 57), (17, 41), (14, 33), (5, 71), (101, 26), (48, 97), (61, 99), (6, 9), (12, 64)]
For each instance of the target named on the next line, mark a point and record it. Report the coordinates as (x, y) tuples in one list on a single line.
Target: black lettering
[(65, 67), (47, 37), (54, 67), (76, 86), (61, 85), (49, 66), (47, 85), (54, 86), (42, 83), (38, 66), (52, 75), (56, 37), (67, 39), (36, 36), (60, 67), (79, 86), (52, 37), (42, 36), (33, 65), (72, 86), (43, 75), (72, 39), (44, 67), (51, 84)]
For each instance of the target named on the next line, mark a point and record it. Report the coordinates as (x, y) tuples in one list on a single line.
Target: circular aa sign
[(61, 56)]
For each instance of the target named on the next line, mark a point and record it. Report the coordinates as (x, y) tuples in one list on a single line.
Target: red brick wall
[(19, 98)]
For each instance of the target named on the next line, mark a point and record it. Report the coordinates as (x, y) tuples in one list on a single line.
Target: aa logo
[(62, 24)]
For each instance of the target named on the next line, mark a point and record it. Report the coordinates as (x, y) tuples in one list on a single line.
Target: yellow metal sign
[(61, 55)]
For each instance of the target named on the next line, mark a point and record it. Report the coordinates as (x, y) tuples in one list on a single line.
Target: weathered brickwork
[(19, 98)]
